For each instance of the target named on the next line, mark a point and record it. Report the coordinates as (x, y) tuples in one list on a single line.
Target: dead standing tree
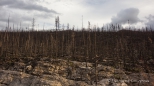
[(73, 43), (33, 24), (56, 35), (88, 44)]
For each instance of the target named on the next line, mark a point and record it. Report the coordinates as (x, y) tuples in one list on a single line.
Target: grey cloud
[(7, 2), (5, 15), (45, 16), (123, 16), (20, 16), (150, 22), (2, 26), (26, 5), (14, 17), (95, 2), (17, 16)]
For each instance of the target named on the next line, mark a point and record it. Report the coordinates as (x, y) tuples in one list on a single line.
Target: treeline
[(131, 50)]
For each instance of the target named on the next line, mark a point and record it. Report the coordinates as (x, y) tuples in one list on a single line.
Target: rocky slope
[(51, 72)]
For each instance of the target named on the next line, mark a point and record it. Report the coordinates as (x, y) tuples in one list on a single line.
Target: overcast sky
[(98, 12)]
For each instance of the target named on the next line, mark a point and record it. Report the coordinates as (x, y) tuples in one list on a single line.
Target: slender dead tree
[(63, 41), (8, 23), (33, 24), (56, 38), (73, 42), (88, 43), (96, 56)]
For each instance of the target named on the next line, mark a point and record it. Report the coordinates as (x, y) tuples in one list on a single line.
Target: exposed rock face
[(14, 78), (50, 72)]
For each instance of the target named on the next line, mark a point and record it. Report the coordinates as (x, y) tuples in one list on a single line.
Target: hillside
[(77, 57)]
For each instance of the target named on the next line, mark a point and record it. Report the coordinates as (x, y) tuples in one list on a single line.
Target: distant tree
[(33, 24), (57, 23)]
